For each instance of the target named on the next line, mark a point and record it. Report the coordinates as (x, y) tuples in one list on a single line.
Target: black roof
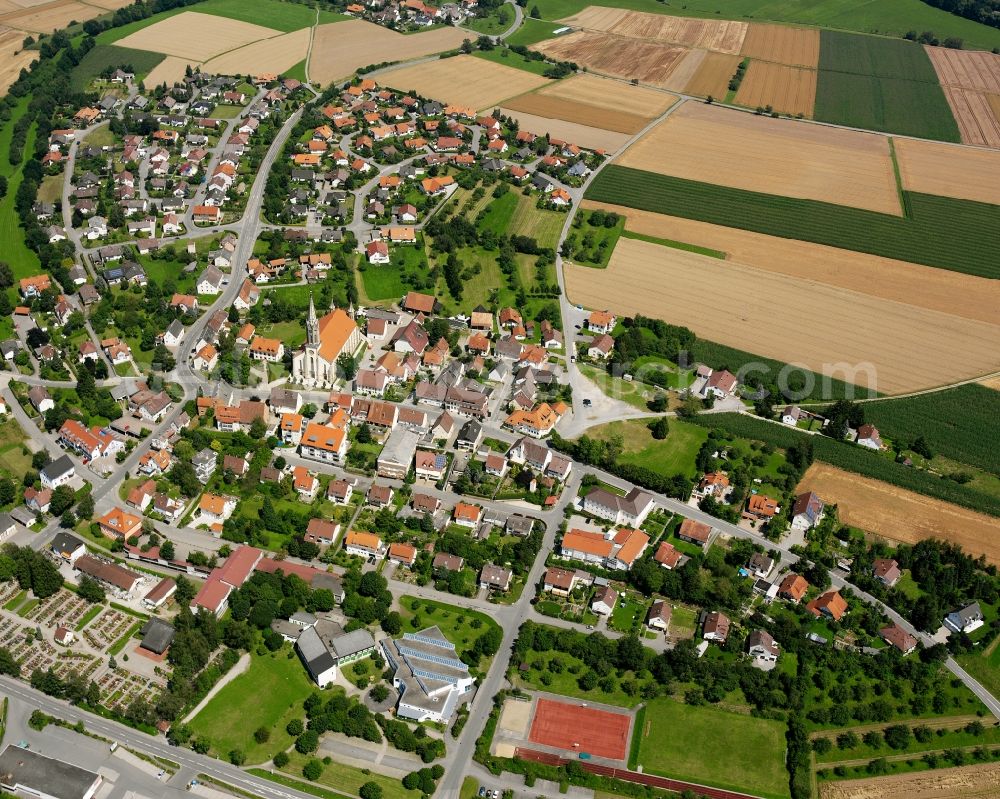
[(157, 635), (58, 467)]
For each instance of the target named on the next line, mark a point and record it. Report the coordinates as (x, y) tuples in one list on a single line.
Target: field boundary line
[(904, 199)]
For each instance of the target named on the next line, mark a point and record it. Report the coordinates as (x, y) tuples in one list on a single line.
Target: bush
[(370, 790), (295, 728), (280, 759), (262, 735), (312, 770), (307, 743)]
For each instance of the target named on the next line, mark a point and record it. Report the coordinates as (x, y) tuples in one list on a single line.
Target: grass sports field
[(939, 231), (278, 684), (733, 751), (881, 84), (890, 19)]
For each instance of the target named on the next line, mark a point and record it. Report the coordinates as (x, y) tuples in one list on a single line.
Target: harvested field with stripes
[(169, 71), (340, 48), (724, 36), (685, 69), (971, 81), (977, 115), (196, 36), (953, 293), (713, 75), (891, 347), (49, 17), (270, 55), (647, 61), (950, 171), (903, 516), (782, 44), (788, 90), (12, 58), (463, 80), (773, 156)]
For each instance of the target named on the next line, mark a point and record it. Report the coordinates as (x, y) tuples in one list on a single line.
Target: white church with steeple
[(327, 338)]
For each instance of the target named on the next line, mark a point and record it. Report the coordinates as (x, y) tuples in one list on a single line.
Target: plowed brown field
[(773, 156), (612, 95), (967, 782), (724, 36), (885, 345), (713, 75), (788, 90), (952, 293), (797, 47), (581, 135), (339, 48), (962, 172), (901, 515), (648, 62), (971, 81), (196, 36), (595, 102), (463, 80)]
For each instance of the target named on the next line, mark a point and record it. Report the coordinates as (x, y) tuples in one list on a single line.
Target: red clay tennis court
[(580, 729)]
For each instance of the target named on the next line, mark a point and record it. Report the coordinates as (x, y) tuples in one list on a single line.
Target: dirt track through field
[(967, 782), (724, 36), (788, 90), (621, 57), (271, 55), (953, 293), (713, 75), (900, 515), (878, 343), (782, 44), (581, 135), (342, 47), (464, 80), (196, 36), (962, 172), (773, 156)]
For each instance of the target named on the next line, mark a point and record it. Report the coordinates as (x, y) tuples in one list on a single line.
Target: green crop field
[(881, 84), (532, 31), (888, 17), (107, 55), (497, 215), (952, 234), (732, 751), (961, 423), (508, 58)]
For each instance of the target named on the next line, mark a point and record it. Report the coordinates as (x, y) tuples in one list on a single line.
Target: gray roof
[(157, 635), (44, 775), (64, 542), (400, 446), (425, 662), (350, 644), (314, 653), (60, 466)]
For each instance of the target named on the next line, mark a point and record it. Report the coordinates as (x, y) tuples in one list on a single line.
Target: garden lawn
[(984, 666), (633, 393), (673, 455), (269, 694), (477, 287), (542, 225), (565, 682), (342, 777), (717, 748), (103, 56), (494, 23)]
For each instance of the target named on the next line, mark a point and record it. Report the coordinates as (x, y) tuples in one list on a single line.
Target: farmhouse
[(793, 587), (715, 627), (886, 571), (365, 545), (831, 604), (658, 617), (965, 620), (761, 647), (604, 601), (695, 532), (807, 511), (899, 638)]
